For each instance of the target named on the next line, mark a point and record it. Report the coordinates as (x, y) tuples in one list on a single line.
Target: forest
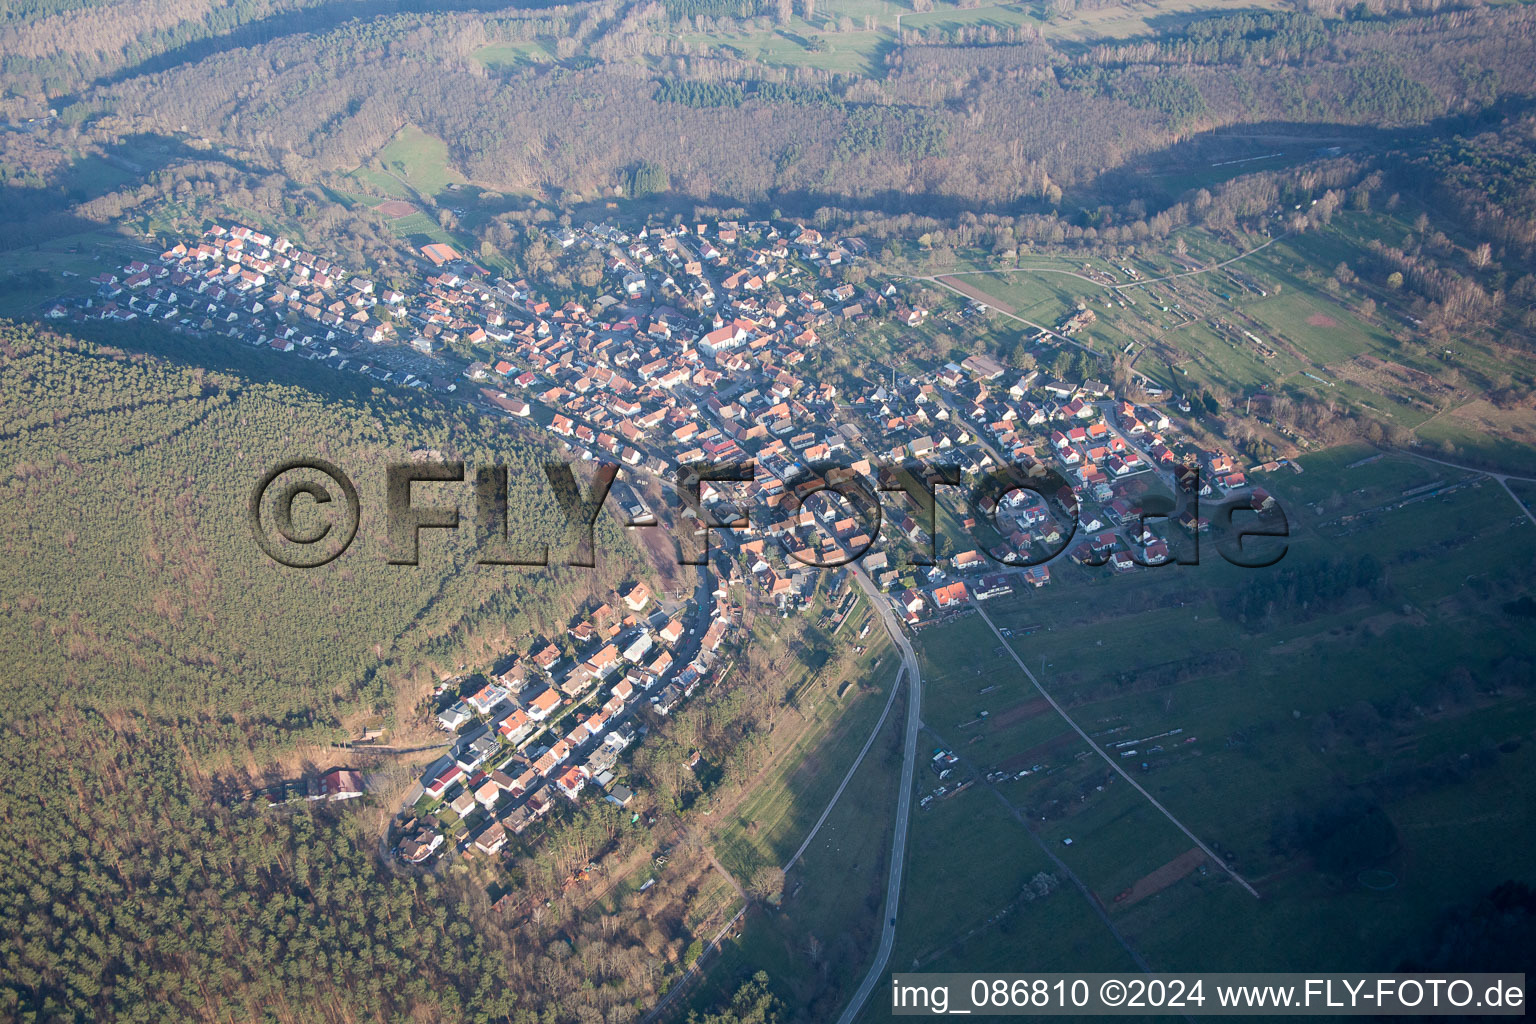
[(985, 127), (138, 467)]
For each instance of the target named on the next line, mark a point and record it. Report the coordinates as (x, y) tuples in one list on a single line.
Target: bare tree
[(768, 884)]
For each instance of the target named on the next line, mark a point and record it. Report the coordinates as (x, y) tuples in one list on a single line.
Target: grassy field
[(1324, 331), (1484, 436), (1273, 319), (69, 263), (828, 42), (1131, 20), (768, 826), (501, 56), (412, 162), (1405, 697), (1033, 295), (815, 945), (860, 52), (1228, 358), (948, 17), (1525, 490)]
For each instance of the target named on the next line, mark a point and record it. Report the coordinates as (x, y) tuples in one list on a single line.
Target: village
[(704, 350)]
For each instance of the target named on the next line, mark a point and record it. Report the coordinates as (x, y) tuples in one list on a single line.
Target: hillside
[(152, 654), (141, 593)]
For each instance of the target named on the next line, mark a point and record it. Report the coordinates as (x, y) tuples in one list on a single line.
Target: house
[(420, 846), (517, 819), (487, 697), (995, 585), (547, 761), (444, 779), (439, 253), (540, 803), (638, 648), (637, 597), (342, 784), (951, 596), (489, 793), (491, 838), (668, 699), (516, 726), (454, 717), (983, 367), (603, 663), (513, 679), (463, 803), (967, 561), (620, 795), (620, 738), (571, 783), (525, 783), (543, 705), (475, 753), (546, 657)]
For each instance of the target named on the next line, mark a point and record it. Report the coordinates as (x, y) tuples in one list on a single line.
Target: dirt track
[(1019, 712), (1042, 752), (1162, 878), (975, 293)]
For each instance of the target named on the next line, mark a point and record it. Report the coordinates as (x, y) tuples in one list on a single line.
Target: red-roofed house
[(951, 596)]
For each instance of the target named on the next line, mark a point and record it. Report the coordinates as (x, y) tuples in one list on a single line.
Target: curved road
[(992, 305), (903, 798)]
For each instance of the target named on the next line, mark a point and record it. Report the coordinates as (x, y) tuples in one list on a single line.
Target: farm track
[(1112, 763)]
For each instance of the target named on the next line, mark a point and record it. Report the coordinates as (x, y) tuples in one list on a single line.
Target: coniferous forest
[(152, 656)]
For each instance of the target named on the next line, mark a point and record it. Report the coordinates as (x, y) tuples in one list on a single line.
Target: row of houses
[(552, 723)]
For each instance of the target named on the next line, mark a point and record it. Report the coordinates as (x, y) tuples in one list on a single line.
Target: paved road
[(682, 984), (1502, 478), (1203, 270), (1111, 761), (903, 798), (369, 748)]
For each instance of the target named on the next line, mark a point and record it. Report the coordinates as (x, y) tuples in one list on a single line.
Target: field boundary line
[(1239, 879)]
